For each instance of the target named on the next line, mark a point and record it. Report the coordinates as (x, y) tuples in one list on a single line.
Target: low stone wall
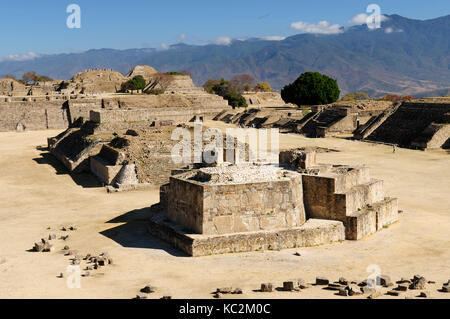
[(105, 173), (313, 233), (176, 114), (33, 115)]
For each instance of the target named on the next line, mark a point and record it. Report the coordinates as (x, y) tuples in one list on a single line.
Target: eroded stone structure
[(59, 104), (247, 207), (422, 124)]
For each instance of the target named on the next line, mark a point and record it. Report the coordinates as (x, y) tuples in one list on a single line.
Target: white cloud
[(163, 47), (323, 27), (273, 38), (181, 38), (223, 41), (362, 18), (20, 57), (390, 30)]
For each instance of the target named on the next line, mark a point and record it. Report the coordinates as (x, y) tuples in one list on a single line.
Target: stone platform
[(314, 232)]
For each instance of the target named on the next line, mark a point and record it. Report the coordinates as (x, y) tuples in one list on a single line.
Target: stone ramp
[(314, 232)]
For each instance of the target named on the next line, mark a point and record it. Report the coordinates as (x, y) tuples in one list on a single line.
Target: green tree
[(136, 83), (222, 87), (235, 99), (311, 88), (208, 86)]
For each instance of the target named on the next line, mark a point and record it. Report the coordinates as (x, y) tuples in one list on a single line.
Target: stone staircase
[(349, 195), (373, 123)]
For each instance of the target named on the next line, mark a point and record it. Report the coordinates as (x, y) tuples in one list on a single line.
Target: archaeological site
[(303, 197), (311, 163)]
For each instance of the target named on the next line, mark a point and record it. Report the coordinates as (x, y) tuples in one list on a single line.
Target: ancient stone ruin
[(322, 120), (248, 207), (60, 104), (125, 148), (422, 124)]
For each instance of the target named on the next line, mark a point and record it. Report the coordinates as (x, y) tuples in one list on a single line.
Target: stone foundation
[(314, 232)]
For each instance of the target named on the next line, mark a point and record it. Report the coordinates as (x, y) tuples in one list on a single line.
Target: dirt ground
[(37, 193)]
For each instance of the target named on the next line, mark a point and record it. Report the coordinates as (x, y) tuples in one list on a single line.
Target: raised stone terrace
[(245, 207)]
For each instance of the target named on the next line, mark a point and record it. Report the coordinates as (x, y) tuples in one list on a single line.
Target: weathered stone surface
[(394, 293), (354, 290), (343, 281), (237, 291), (289, 285), (225, 290), (322, 281), (217, 208), (38, 247), (343, 292), (424, 294), (312, 233), (148, 289), (418, 283), (368, 290), (376, 294), (445, 288), (402, 287), (385, 281), (266, 287)]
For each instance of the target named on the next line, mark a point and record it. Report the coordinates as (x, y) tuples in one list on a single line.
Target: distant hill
[(405, 56)]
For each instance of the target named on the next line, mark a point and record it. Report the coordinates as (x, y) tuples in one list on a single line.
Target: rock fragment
[(322, 281), (418, 283), (148, 289), (267, 287), (289, 285)]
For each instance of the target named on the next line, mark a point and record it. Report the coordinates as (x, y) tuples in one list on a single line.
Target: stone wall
[(175, 114), (313, 233), (234, 208), (33, 115), (263, 99)]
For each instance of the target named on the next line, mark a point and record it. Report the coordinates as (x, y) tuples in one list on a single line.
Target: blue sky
[(40, 26)]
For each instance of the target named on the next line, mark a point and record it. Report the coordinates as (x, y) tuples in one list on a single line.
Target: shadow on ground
[(84, 180), (133, 232)]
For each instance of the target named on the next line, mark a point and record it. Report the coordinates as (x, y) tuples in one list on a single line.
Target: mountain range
[(404, 56)]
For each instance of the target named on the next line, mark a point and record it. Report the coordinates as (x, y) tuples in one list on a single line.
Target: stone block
[(360, 224)]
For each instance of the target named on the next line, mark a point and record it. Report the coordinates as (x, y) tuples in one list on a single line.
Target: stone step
[(314, 232), (358, 197), (371, 219)]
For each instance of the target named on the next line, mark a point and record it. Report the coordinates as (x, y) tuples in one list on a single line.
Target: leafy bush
[(174, 73), (136, 83), (235, 99), (311, 88), (155, 91)]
